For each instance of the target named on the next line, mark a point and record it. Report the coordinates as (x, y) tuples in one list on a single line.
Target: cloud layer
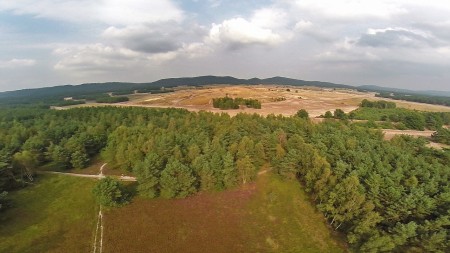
[(397, 42)]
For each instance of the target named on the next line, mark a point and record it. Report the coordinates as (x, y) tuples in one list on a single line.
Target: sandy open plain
[(275, 99), (315, 100)]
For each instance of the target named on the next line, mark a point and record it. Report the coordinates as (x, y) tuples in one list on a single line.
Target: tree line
[(227, 103), (380, 104), (437, 100)]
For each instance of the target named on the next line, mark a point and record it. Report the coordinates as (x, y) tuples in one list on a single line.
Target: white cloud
[(270, 18), (313, 39), (238, 32), (112, 12), (14, 63), (95, 58), (351, 9)]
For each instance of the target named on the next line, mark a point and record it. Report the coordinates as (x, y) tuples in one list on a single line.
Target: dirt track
[(390, 133), (98, 176)]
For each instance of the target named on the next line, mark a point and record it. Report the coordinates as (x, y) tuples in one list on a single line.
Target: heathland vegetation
[(384, 196)]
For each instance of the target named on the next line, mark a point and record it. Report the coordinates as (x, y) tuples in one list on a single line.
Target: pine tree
[(148, 173), (245, 169), (177, 180)]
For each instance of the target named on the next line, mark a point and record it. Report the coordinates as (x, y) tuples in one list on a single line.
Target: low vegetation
[(55, 214), (270, 215), (442, 135)]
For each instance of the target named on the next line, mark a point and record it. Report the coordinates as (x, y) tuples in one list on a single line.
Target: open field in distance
[(315, 100)]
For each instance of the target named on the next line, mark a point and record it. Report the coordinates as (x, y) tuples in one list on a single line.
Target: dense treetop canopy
[(385, 196)]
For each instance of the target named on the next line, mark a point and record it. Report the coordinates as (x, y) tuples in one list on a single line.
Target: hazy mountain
[(405, 91)]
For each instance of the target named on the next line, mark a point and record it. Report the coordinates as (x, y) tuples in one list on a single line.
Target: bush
[(110, 192), (302, 114)]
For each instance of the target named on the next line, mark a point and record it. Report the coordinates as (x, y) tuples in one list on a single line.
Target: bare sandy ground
[(276, 100), (313, 99), (390, 133)]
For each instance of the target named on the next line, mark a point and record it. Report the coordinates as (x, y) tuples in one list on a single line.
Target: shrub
[(110, 192)]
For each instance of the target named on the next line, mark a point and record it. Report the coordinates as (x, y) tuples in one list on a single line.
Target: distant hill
[(49, 95), (206, 80), (404, 91), (427, 97), (54, 95)]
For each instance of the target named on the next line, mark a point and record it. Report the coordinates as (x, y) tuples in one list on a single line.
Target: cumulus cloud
[(315, 39), (143, 38), (237, 33), (15, 63), (154, 39), (95, 58)]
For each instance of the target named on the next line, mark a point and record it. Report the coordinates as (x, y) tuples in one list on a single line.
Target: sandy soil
[(315, 100), (390, 133)]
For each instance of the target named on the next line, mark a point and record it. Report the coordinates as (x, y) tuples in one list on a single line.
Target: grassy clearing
[(207, 222), (268, 216), (57, 214), (281, 219)]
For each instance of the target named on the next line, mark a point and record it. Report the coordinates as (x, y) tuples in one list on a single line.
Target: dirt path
[(99, 176), (390, 133), (262, 172), (99, 228), (99, 222)]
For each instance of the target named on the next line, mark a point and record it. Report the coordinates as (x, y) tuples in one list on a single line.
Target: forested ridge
[(385, 196)]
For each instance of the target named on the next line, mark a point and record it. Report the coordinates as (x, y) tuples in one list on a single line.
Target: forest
[(383, 195)]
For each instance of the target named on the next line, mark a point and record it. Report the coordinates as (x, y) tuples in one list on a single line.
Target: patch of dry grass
[(267, 216)]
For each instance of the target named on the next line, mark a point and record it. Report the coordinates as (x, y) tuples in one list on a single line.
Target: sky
[(393, 43)]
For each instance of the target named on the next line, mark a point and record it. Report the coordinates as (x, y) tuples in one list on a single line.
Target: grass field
[(57, 214), (267, 216), (282, 219)]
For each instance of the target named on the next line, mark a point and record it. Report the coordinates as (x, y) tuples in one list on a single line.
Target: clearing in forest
[(57, 214), (270, 215)]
